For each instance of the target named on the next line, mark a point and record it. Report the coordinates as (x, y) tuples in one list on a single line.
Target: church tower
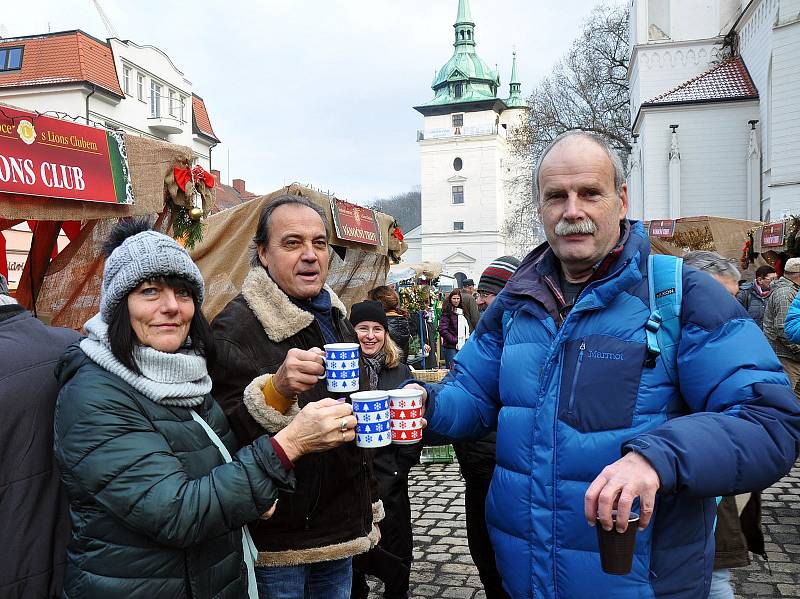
[(464, 157)]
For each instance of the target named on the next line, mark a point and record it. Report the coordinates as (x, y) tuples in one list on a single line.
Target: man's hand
[(424, 400), (299, 372), (319, 426), (617, 486)]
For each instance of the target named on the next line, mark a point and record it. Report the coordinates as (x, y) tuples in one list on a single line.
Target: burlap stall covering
[(149, 161), (70, 293), (726, 236), (224, 254)]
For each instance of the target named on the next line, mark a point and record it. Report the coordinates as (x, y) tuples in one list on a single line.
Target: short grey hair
[(712, 263), (264, 221), (613, 156)]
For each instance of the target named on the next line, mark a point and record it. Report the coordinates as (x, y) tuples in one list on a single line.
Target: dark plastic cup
[(616, 549)]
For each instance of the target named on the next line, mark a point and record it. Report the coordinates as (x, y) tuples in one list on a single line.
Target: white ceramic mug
[(373, 426), (341, 367)]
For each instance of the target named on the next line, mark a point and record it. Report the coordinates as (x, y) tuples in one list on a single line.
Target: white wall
[(713, 141), (70, 99)]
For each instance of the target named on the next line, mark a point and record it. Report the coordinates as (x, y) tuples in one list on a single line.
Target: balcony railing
[(167, 115), (456, 132)]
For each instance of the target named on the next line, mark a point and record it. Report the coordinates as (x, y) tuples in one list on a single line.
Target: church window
[(458, 164), (458, 225), (458, 193), (459, 90), (658, 20), (458, 120)]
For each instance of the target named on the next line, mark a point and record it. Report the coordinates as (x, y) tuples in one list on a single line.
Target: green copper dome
[(465, 77)]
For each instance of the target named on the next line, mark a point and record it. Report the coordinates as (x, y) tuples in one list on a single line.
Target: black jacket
[(330, 514), (34, 510), (156, 511), (399, 331)]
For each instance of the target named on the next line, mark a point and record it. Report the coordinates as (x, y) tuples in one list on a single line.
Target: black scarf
[(375, 365)]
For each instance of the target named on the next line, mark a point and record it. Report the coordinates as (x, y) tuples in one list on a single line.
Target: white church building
[(715, 108), (464, 158)]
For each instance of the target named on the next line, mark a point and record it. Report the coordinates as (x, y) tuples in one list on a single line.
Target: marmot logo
[(665, 293), (602, 355)]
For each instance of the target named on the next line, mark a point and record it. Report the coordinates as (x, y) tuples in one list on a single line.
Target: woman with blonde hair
[(391, 560)]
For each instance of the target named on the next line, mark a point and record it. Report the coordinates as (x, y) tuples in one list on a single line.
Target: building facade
[(464, 158), (116, 84), (716, 120)]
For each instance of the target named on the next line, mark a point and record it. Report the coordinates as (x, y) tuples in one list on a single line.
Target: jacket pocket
[(600, 382)]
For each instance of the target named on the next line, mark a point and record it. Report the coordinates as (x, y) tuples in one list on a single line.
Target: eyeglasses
[(485, 294)]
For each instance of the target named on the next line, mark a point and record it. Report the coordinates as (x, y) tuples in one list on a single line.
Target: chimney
[(238, 185), (217, 176)]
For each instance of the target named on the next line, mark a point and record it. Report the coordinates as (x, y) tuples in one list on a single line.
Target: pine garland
[(188, 231)]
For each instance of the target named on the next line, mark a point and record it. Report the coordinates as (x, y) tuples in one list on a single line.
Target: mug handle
[(325, 364)]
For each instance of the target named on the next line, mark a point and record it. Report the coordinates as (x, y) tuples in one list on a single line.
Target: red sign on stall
[(355, 223), (662, 228), (772, 235), (43, 156)]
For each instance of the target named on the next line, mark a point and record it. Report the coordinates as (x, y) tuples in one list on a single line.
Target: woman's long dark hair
[(123, 340), (447, 307)]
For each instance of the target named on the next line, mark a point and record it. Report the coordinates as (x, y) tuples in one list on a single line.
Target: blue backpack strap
[(663, 328)]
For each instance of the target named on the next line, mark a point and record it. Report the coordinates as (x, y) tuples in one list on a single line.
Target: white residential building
[(464, 158), (115, 83), (714, 103)]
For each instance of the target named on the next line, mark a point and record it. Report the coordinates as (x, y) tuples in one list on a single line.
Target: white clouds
[(320, 91)]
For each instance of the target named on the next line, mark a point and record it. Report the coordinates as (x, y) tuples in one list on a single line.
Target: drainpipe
[(94, 89)]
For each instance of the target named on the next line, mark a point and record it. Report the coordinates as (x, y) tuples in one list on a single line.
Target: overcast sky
[(319, 91)]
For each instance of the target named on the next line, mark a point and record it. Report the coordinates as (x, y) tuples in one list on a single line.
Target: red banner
[(47, 157), (662, 228), (772, 235), (355, 223)]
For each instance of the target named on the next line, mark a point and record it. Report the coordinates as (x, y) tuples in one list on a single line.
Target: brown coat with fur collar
[(330, 515)]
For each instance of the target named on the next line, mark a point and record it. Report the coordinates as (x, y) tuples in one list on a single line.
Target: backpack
[(663, 328)]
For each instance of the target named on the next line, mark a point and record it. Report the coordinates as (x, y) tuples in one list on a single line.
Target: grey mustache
[(579, 227)]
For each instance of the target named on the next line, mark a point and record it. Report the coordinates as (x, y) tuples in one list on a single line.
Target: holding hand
[(319, 426), (417, 387), (616, 487), (299, 372)]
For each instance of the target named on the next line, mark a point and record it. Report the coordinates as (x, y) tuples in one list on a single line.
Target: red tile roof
[(729, 80), (228, 197), (65, 57), (200, 116)]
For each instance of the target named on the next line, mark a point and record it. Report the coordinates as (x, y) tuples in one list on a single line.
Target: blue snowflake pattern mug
[(371, 409), (341, 367)]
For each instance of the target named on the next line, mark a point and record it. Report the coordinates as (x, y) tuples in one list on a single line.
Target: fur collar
[(274, 310)]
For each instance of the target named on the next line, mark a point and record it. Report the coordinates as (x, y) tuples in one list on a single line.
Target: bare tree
[(587, 89)]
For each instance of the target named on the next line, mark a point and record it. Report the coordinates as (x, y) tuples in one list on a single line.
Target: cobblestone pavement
[(443, 567)]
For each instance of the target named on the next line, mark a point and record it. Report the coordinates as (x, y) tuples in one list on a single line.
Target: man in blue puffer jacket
[(585, 423)]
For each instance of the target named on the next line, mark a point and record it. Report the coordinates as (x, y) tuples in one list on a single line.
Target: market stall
[(59, 176)]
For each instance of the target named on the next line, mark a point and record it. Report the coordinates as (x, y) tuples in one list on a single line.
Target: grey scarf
[(179, 379), (374, 366)]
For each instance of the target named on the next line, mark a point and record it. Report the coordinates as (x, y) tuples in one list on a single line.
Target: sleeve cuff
[(285, 461)]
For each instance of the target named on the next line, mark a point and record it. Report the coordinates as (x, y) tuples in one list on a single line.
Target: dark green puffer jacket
[(156, 512)]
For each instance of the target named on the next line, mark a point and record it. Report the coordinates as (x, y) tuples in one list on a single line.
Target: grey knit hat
[(146, 255)]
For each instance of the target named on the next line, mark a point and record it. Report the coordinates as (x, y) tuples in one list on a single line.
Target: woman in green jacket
[(157, 501)]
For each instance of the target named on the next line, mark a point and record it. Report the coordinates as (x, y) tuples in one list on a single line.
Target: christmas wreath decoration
[(184, 185)]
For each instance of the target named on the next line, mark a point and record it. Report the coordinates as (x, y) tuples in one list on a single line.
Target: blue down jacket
[(569, 400), (791, 326)]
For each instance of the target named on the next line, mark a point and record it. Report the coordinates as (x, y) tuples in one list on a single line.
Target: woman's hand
[(319, 426)]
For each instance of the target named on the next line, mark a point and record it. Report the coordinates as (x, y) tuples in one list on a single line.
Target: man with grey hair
[(783, 293), (588, 417), (268, 365), (717, 266)]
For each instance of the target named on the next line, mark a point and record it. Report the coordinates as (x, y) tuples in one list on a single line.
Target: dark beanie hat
[(368, 310), (497, 274), (467, 283)]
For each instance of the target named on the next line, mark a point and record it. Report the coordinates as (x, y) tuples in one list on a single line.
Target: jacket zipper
[(571, 405)]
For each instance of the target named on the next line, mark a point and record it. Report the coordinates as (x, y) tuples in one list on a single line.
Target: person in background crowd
[(738, 529), (468, 304), (476, 459), (34, 508), (493, 279), (453, 327), (391, 559), (783, 292), (269, 361), (397, 319), (157, 502), (587, 421), (753, 295)]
